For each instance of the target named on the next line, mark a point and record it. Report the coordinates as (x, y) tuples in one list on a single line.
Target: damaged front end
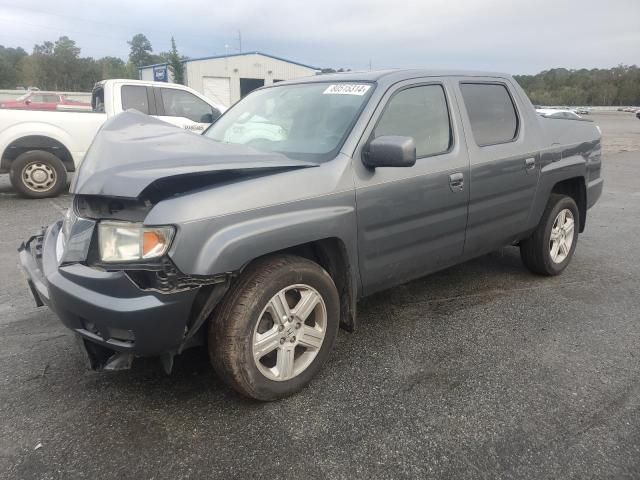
[(119, 311), (107, 274)]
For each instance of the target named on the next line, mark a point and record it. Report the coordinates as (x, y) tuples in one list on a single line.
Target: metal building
[(225, 79)]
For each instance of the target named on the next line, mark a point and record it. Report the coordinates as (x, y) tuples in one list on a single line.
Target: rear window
[(134, 96), (491, 112)]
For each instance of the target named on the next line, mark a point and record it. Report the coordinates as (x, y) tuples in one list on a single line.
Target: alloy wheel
[(562, 236), (289, 332)]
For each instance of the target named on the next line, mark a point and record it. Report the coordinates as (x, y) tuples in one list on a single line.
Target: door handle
[(456, 182), (529, 164)]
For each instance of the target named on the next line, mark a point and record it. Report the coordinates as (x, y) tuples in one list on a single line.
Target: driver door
[(412, 220)]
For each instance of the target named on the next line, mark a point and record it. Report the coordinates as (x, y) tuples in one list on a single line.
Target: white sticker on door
[(346, 89)]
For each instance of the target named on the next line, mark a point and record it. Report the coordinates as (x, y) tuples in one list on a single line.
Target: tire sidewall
[(15, 173), (563, 203), (305, 273)]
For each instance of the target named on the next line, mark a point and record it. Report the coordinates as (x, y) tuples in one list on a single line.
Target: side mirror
[(210, 117), (27, 101), (390, 151), (206, 118)]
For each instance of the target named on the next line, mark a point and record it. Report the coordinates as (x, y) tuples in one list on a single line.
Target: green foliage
[(10, 69), (614, 86), (140, 53), (113, 67), (59, 66), (175, 63)]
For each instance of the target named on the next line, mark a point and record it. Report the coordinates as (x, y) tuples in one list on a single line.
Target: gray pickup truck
[(258, 238)]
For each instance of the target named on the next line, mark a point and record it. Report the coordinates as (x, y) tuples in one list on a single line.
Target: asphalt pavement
[(481, 371)]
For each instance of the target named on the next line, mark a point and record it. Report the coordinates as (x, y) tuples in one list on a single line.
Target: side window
[(135, 96), (491, 112), (418, 112), (178, 103), (51, 98), (37, 98)]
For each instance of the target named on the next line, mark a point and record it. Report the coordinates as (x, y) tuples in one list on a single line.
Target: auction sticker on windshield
[(346, 89)]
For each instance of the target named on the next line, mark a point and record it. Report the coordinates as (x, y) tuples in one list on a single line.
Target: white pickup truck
[(38, 148)]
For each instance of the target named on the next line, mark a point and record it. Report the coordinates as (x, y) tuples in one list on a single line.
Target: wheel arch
[(566, 176), (28, 143), (331, 254), (575, 188)]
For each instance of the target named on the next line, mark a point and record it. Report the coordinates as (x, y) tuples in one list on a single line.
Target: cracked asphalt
[(480, 371)]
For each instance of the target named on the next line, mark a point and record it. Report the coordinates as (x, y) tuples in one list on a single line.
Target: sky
[(514, 36)]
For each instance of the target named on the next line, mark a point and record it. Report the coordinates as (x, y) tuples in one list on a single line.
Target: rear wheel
[(38, 174), (551, 246), (275, 328)]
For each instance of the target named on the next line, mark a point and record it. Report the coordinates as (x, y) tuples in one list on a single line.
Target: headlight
[(126, 242)]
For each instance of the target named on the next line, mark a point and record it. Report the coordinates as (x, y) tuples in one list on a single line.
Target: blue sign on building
[(160, 73)]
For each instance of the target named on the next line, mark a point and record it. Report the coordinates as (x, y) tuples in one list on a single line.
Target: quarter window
[(178, 103), (135, 96), (491, 113), (421, 113)]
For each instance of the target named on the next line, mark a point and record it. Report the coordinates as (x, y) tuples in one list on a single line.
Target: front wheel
[(275, 328), (550, 248)]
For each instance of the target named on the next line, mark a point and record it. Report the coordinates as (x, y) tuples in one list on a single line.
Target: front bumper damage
[(114, 318)]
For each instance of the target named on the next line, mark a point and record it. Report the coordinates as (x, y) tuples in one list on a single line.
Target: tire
[(244, 319), (38, 174), (537, 251)]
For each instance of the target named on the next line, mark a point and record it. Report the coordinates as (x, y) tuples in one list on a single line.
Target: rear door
[(412, 220), (184, 109), (504, 163)]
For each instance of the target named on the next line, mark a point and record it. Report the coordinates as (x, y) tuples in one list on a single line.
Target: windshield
[(22, 98), (305, 121)]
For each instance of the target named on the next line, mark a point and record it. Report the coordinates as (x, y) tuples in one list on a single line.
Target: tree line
[(58, 65), (606, 87)]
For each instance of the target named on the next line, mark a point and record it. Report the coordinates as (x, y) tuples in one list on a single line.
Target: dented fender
[(228, 243)]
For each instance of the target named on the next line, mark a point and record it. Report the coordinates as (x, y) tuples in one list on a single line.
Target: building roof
[(215, 57)]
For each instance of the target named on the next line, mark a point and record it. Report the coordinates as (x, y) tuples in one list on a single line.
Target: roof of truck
[(392, 76)]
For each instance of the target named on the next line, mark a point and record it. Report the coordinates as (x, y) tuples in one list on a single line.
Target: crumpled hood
[(132, 151)]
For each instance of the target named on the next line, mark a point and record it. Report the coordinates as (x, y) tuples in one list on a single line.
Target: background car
[(558, 113), (581, 110), (36, 100), (39, 147)]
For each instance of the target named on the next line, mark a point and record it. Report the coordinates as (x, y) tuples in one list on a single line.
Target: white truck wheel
[(38, 174)]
